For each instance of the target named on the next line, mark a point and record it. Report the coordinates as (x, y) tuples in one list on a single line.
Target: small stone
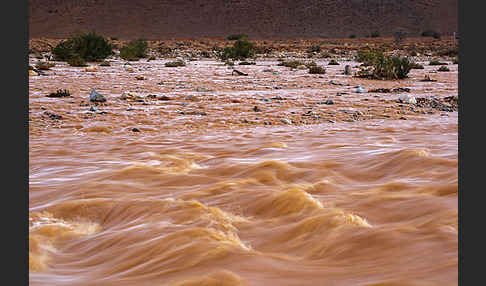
[(405, 98), (32, 73), (91, 69), (92, 108), (135, 130), (164, 97), (245, 121), (329, 102), (140, 77), (286, 121), (96, 97), (347, 70), (359, 89), (256, 109)]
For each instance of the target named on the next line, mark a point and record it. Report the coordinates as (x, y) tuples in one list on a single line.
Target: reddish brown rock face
[(153, 19)]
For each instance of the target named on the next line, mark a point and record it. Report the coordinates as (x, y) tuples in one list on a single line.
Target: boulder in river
[(96, 97)]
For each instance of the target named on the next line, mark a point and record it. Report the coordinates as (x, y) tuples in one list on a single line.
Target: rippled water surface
[(349, 203)]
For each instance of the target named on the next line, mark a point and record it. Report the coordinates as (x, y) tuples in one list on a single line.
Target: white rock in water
[(405, 98), (95, 96), (91, 69), (360, 90)]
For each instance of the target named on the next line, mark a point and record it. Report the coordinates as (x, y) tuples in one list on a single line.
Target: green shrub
[(134, 50), (241, 49), (431, 33), (386, 67), (77, 62), (88, 46), (437, 63), (368, 57), (175, 64), (237, 37), (317, 70)]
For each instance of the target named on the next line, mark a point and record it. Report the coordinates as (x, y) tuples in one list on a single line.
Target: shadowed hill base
[(165, 19)]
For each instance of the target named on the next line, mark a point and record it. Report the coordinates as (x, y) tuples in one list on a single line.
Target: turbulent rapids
[(364, 203)]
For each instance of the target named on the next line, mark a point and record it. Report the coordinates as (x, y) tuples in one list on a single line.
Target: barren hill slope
[(162, 19)]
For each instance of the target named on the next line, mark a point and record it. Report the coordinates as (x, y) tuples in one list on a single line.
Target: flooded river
[(196, 199)]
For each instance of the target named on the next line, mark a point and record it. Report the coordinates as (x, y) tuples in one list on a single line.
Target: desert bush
[(105, 64), (151, 58), (44, 65), (60, 93), (237, 37), (368, 57), (88, 46), (317, 70), (77, 62), (431, 33), (437, 63), (175, 64), (134, 50), (386, 67), (241, 49)]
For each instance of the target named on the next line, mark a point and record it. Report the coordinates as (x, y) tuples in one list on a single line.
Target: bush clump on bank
[(134, 50), (241, 50), (379, 66), (89, 47)]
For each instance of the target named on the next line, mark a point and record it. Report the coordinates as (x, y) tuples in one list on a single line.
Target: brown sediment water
[(212, 192)]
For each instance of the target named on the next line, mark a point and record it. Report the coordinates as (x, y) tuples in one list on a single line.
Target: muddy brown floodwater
[(213, 191)]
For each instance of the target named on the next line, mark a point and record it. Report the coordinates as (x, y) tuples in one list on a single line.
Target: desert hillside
[(163, 19)]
